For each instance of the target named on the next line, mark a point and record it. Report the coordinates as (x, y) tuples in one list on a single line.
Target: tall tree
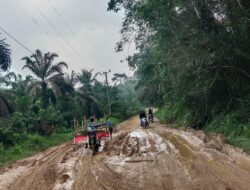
[(5, 59), (49, 75), (87, 80), (5, 63), (201, 62), (119, 78), (67, 103), (6, 107)]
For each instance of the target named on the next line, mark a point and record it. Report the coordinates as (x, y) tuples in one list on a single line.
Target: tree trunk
[(44, 95)]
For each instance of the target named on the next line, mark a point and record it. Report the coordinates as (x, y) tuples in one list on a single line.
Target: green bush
[(47, 120), (1, 149), (17, 122), (35, 141), (232, 127), (241, 142), (229, 125), (176, 113), (7, 138), (32, 144)]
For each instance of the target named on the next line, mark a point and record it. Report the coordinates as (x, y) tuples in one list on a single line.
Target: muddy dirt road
[(155, 158)]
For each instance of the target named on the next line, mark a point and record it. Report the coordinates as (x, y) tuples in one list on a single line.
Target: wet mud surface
[(154, 158)]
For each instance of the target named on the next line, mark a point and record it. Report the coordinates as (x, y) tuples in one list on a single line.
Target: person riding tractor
[(93, 143), (95, 135)]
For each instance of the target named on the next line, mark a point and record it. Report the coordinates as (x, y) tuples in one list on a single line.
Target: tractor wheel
[(93, 149)]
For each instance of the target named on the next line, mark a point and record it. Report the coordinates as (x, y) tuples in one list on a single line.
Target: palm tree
[(5, 60), (49, 76), (8, 78), (67, 99), (85, 92), (6, 107), (67, 95), (119, 78), (70, 82)]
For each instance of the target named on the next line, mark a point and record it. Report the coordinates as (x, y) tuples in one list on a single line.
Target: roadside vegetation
[(37, 110), (29, 144), (192, 61)]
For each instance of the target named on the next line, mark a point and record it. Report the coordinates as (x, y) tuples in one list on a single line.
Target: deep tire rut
[(143, 159)]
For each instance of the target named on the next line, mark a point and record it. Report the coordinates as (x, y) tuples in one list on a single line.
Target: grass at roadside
[(241, 142), (237, 133), (115, 120), (33, 144)]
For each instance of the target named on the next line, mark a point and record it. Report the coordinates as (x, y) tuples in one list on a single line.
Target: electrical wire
[(17, 41), (36, 22), (41, 27), (72, 32), (54, 28)]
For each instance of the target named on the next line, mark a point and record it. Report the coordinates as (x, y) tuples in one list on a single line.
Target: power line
[(61, 18), (41, 27), (18, 42), (71, 31), (53, 27)]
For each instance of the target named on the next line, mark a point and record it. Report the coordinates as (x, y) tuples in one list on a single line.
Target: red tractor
[(92, 135)]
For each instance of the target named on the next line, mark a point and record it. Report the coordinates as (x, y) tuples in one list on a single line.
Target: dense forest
[(192, 61), (37, 110)]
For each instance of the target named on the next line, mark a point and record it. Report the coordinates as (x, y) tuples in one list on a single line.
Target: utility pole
[(107, 86)]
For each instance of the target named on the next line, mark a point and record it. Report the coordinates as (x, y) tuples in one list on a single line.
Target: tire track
[(184, 165), (42, 174)]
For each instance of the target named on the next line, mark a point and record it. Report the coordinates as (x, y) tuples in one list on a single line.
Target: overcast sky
[(89, 42)]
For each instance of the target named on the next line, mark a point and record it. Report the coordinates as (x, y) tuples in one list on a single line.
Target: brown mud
[(155, 158)]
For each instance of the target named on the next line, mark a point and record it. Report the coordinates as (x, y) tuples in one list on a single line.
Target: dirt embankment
[(155, 158)]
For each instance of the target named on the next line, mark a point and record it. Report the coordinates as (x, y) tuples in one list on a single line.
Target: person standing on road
[(110, 131), (110, 127)]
